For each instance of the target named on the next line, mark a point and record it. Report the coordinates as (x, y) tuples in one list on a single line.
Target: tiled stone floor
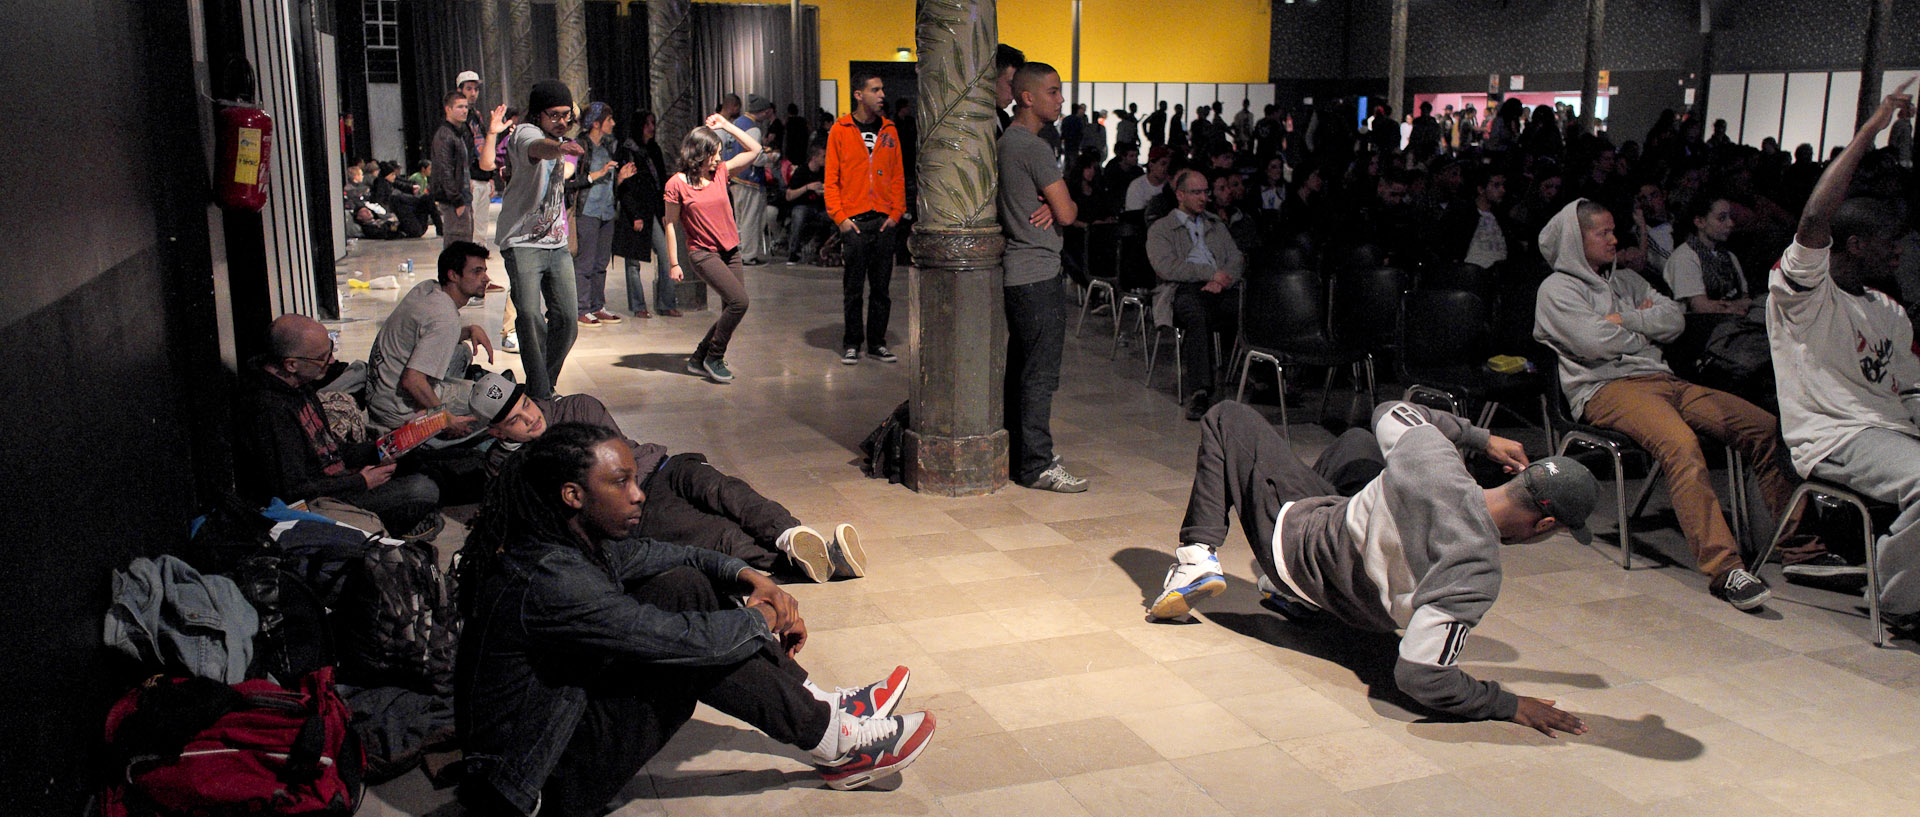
[(1021, 616)]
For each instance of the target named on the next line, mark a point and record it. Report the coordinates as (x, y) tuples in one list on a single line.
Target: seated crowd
[(608, 584)]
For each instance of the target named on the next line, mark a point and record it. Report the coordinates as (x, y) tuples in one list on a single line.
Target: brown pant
[(1667, 415), (721, 271)]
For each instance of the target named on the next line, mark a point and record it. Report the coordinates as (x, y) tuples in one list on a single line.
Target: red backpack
[(266, 750)]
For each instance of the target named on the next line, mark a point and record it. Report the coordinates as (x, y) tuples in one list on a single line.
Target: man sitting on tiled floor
[(585, 648), (689, 502), (1415, 549)]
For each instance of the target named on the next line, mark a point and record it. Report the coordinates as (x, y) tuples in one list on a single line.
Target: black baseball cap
[(1564, 489)]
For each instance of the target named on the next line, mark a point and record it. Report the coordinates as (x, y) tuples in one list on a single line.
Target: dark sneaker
[(1058, 480), (607, 317), (848, 557), (426, 529), (697, 365), (850, 357), (671, 313), (717, 370), (1743, 590), (1198, 404), (881, 748), (1280, 599), (1824, 566), (875, 700), (588, 320), (883, 354)]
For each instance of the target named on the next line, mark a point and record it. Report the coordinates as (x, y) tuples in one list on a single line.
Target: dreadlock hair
[(523, 502)]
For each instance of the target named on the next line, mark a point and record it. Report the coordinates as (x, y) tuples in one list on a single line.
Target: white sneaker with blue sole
[(1195, 576)]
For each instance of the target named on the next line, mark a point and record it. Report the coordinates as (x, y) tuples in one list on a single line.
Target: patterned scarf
[(1717, 272)]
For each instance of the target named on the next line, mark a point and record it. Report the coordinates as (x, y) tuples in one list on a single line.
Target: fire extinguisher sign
[(246, 166)]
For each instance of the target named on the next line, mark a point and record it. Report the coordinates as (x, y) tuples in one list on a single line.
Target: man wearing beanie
[(749, 184), (532, 234), (1414, 548)]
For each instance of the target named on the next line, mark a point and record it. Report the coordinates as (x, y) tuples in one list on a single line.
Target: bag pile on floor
[(292, 658)]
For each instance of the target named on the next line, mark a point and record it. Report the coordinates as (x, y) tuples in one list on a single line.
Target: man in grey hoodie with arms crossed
[(1415, 549), (1605, 325)]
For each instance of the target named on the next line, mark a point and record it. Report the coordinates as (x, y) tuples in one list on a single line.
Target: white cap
[(466, 77)]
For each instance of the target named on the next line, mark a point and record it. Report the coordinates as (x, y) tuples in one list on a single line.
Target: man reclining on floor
[(691, 503), (1416, 549), (586, 649)]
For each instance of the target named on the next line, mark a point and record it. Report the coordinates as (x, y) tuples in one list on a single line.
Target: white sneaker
[(808, 550), (510, 343), (1195, 576)]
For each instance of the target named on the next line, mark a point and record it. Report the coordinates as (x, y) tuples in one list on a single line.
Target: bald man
[(286, 450)]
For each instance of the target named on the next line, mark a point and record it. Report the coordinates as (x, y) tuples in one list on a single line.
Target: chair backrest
[(1073, 254), (1443, 327), (1283, 306), (1292, 257), (1364, 256), (1463, 276), (1366, 303), (1135, 271), (1103, 250)]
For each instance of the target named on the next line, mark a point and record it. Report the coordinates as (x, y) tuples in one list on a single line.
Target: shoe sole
[(809, 551), (856, 780), (1849, 571), (1177, 602), (1754, 603), (718, 379), (892, 359), (849, 361), (846, 540), (1061, 487), (695, 368)]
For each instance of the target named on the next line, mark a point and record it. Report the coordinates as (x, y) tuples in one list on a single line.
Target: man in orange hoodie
[(866, 195)]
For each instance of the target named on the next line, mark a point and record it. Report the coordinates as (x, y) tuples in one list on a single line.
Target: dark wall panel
[(107, 359)]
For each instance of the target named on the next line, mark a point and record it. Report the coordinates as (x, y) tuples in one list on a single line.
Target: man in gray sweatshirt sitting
[(1415, 549), (1605, 325)]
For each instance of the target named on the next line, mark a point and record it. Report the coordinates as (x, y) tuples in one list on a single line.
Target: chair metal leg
[(1619, 488), (1326, 391), (1869, 544), (1872, 549), (1646, 490)]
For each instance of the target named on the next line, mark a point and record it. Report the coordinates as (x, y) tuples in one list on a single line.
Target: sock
[(829, 698), (830, 749)]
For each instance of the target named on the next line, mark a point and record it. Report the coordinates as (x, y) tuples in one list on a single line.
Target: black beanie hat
[(548, 93)]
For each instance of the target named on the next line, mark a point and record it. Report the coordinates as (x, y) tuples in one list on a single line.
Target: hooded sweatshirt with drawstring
[(1570, 315)]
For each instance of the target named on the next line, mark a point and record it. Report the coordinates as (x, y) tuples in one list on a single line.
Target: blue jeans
[(664, 296), (546, 334), (1036, 333), (805, 222)]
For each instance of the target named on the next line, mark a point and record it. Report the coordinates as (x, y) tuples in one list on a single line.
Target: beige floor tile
[(1725, 801), (1051, 619), (1685, 650), (905, 796), (1297, 712), (1155, 788), (989, 761), (1192, 729), (1003, 516), (1816, 791), (1047, 701), (1898, 774), (1536, 787), (1077, 747), (960, 716), (966, 631), (1017, 591), (1604, 620), (1828, 736), (1232, 674), (1021, 536), (1092, 652), (1441, 795), (1256, 780), (903, 606), (974, 567), (1174, 643), (1358, 759), (1632, 701), (1046, 797), (994, 665)]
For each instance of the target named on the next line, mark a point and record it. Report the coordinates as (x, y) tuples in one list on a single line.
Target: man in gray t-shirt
[(532, 235), (1035, 301), (419, 359)]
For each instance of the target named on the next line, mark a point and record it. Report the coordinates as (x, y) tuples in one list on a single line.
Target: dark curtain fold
[(747, 49), (438, 40), (618, 60)]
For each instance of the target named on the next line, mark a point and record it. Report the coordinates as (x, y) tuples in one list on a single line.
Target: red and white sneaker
[(881, 747), (875, 700)]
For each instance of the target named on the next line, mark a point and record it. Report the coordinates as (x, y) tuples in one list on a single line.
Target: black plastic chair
[(1445, 343), (1283, 322), (1135, 281), (1103, 272), (1870, 512), (1463, 276), (1366, 306)]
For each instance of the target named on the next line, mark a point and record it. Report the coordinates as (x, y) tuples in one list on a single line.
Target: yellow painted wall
[(1120, 40)]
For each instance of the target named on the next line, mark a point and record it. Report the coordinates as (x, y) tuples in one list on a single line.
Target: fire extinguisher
[(246, 151)]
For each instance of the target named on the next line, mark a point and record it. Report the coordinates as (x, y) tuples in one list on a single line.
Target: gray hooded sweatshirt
[(1571, 316)]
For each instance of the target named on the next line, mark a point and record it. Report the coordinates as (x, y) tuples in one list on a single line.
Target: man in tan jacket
[(1199, 267)]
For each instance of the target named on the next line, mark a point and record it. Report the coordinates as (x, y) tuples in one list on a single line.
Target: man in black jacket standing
[(452, 163)]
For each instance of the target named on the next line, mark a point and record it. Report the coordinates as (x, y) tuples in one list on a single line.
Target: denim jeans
[(869, 267), (590, 266), (546, 332), (664, 296), (803, 223), (1036, 332)]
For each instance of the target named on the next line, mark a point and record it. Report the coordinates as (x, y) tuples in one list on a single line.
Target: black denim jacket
[(547, 622)]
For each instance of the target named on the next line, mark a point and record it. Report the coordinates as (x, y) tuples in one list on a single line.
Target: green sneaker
[(717, 370)]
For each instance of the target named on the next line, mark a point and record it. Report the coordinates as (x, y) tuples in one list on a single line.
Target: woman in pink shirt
[(697, 197)]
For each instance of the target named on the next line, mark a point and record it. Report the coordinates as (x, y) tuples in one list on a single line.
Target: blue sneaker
[(1281, 600), (717, 370), (1196, 576)]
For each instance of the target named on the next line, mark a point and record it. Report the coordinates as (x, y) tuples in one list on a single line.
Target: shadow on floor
[(828, 337), (668, 362)]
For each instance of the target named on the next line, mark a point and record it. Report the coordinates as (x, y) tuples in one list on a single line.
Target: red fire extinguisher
[(246, 151)]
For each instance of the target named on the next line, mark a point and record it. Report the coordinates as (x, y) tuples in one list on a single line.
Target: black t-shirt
[(869, 132), (803, 176)]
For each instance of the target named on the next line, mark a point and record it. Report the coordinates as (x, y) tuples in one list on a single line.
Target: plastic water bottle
[(407, 268)]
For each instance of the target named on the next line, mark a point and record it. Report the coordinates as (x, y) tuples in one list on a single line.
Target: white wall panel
[(1765, 94), (1806, 110), (1726, 95), (1843, 93)]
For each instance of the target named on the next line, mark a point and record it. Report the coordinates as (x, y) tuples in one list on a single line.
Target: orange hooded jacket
[(857, 182)]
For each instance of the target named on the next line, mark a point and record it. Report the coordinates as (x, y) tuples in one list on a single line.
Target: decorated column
[(570, 32), (956, 441)]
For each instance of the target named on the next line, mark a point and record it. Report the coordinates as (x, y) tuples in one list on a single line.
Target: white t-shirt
[(1659, 245), (1844, 363), (420, 334), (1489, 245), (1141, 191), (1684, 276)]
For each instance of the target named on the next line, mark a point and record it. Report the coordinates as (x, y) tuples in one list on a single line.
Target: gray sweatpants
[(1885, 465), (1245, 464), (750, 216)]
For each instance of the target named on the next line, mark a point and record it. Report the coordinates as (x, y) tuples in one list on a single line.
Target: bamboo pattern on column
[(957, 148), (570, 17), (520, 49), (670, 30), (494, 89)]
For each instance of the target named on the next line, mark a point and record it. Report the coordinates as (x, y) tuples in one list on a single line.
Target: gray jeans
[(1885, 465), (543, 291), (750, 216)]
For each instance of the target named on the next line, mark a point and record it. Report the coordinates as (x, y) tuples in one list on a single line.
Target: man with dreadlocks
[(585, 650)]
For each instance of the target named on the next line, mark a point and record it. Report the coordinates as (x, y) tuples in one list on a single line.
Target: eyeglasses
[(1195, 191), (320, 360), (564, 116)]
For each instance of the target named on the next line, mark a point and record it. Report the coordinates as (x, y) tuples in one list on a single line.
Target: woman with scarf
[(1703, 275)]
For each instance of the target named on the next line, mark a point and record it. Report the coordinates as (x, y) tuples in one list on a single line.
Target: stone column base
[(956, 466), (691, 294)]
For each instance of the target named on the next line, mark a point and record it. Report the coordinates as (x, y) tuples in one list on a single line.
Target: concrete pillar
[(1397, 61), (570, 30), (520, 51), (956, 442), (1873, 59), (1590, 81)]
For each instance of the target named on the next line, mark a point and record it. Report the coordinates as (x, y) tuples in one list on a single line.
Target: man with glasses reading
[(1193, 254), (532, 235), (287, 451)]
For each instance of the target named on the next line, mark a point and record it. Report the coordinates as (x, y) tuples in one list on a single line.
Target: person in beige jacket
[(1199, 268)]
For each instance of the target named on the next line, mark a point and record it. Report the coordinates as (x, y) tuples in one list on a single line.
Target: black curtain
[(438, 40), (746, 49), (350, 54), (618, 61)]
